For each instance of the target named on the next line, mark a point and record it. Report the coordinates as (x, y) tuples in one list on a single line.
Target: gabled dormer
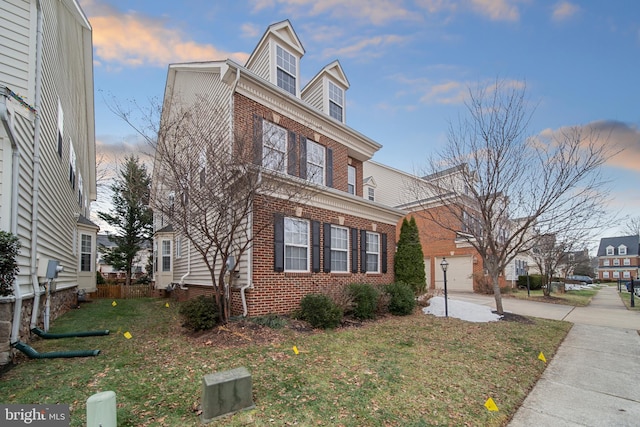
[(277, 57), (326, 91), (622, 250)]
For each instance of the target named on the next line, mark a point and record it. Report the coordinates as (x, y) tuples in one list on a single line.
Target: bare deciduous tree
[(210, 180), (555, 254), (632, 226), (508, 188)]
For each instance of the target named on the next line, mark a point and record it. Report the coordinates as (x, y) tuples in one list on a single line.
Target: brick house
[(338, 236), (466, 271), (619, 258)]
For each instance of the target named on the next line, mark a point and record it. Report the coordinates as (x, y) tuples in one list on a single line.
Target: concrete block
[(225, 393), (102, 410)]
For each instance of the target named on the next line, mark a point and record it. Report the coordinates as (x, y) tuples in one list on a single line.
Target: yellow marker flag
[(167, 305), (541, 357), (490, 405), (295, 349), (114, 303), (127, 335)]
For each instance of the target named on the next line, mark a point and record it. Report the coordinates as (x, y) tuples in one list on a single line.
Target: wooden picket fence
[(120, 291)]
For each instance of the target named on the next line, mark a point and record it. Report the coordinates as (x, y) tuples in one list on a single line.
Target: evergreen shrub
[(403, 300), (199, 314), (320, 311), (365, 300)]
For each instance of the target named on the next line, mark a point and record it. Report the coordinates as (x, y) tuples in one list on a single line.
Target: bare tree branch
[(499, 189)]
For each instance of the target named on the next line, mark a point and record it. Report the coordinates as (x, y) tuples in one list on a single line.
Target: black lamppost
[(526, 271), (444, 264)]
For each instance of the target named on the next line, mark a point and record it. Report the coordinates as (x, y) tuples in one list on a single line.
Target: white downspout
[(36, 171), (15, 174), (184, 276), (249, 284)]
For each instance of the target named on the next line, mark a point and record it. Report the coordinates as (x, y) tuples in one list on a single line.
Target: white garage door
[(459, 274)]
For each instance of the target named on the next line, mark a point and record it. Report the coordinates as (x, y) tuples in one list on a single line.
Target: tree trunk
[(496, 293)]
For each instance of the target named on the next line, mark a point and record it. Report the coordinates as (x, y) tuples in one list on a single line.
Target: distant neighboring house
[(619, 258), (299, 135), (108, 271), (576, 263), (47, 157), (393, 187)]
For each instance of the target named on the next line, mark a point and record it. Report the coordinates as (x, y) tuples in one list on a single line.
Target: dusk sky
[(409, 63)]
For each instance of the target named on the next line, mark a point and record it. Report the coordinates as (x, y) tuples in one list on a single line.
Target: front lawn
[(398, 371), (577, 298)]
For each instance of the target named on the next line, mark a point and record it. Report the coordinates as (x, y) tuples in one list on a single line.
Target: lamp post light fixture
[(444, 264), (526, 270)]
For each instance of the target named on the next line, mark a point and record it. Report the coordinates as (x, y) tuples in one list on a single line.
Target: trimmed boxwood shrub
[(320, 311), (199, 313), (403, 300), (535, 281), (365, 300)]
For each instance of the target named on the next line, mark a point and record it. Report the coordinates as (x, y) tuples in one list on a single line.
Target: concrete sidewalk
[(594, 378)]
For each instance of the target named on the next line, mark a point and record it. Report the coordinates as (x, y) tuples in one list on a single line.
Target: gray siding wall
[(313, 95), (17, 38), (261, 66), (201, 87)]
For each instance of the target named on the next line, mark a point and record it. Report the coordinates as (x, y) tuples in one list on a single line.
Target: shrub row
[(322, 312), (361, 300)]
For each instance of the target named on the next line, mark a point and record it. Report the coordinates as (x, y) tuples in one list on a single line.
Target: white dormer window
[(336, 102), (609, 250), (622, 250), (286, 70)]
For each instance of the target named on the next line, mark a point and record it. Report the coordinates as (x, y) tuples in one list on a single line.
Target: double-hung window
[(85, 252), (339, 249), (315, 162), (616, 261), (622, 250), (274, 142), (351, 179), (372, 194), (373, 252), (336, 101), (609, 250), (166, 255), (296, 244), (286, 70)]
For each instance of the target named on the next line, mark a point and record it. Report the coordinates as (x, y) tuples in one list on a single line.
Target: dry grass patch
[(397, 371)]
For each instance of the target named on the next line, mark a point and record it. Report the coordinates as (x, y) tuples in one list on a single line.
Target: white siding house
[(47, 156)]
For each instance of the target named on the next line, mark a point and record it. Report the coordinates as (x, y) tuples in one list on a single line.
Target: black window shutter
[(327, 247), (354, 250), (315, 246), (303, 157), (257, 140), (278, 242), (329, 167), (383, 255), (292, 157), (363, 251)]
